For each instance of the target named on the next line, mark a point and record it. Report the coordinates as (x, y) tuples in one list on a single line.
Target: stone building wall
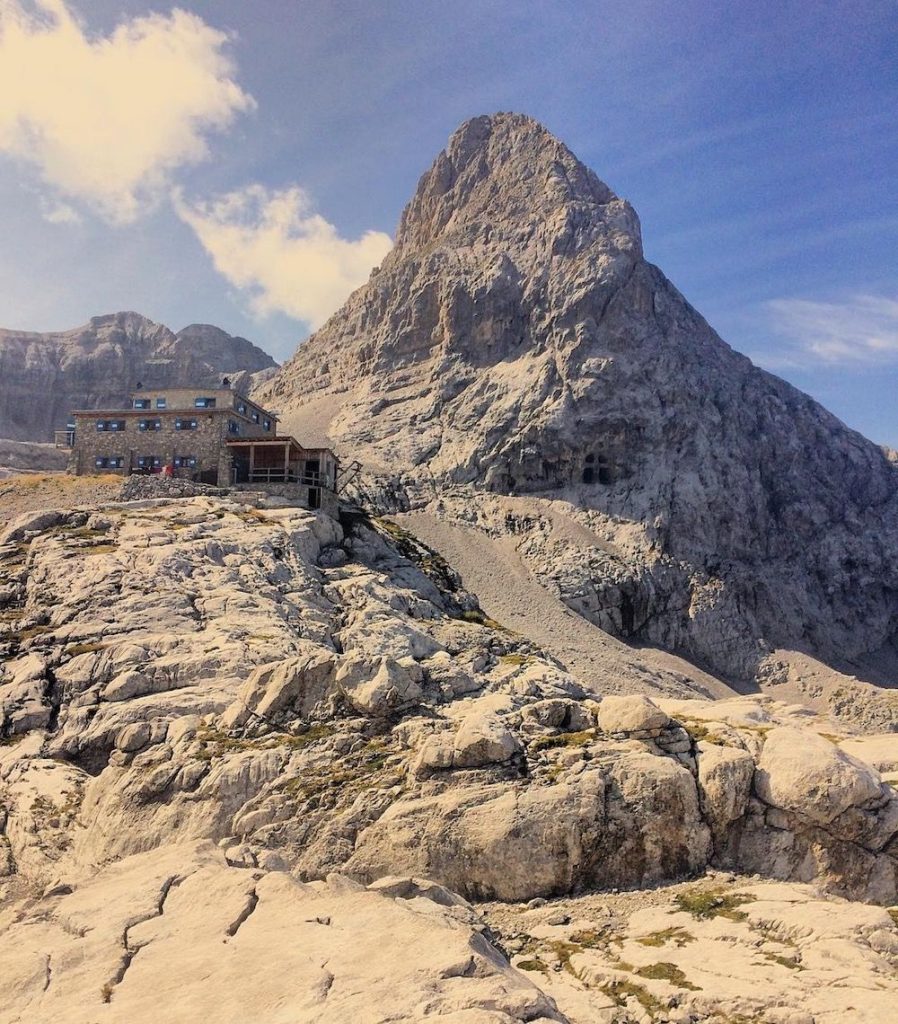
[(206, 443)]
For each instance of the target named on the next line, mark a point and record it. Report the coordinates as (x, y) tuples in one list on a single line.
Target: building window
[(149, 425), (266, 424), (185, 462), (160, 403), (241, 408), (233, 427), (255, 415), (149, 462), (183, 424), (204, 403), (141, 403), (104, 425), (109, 461)]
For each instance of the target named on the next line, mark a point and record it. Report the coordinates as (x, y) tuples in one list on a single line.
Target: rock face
[(187, 668), (98, 364), (516, 342)]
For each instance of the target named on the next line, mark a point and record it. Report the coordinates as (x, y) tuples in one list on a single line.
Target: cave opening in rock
[(627, 615), (589, 475)]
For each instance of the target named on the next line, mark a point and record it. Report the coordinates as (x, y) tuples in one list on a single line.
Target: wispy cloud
[(107, 120), (54, 211), (861, 330), (287, 258)]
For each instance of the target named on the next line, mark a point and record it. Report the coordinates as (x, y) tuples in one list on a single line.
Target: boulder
[(29, 523), (296, 683), (559, 713), (724, 785), (133, 737), (378, 687), (631, 714), (482, 739), (803, 772)]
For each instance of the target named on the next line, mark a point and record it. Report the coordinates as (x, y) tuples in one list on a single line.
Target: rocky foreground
[(208, 707)]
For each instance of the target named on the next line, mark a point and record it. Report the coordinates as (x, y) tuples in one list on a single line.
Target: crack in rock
[(252, 902), (130, 952)]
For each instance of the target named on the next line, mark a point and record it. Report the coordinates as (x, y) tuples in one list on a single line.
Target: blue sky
[(244, 164)]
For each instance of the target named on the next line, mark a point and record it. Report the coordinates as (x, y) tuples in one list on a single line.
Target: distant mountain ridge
[(43, 376)]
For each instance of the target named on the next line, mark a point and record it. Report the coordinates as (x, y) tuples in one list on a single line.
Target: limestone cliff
[(43, 377), (517, 343)]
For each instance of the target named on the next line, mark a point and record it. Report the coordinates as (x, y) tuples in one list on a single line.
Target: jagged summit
[(501, 170)]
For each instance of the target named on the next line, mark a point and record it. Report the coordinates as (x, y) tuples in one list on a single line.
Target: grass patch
[(477, 616), (679, 936), (893, 914), (75, 649), (516, 659), (252, 516), (622, 990), (33, 632), (667, 972), (705, 904), (87, 532), (699, 730), (358, 772), (101, 549), (307, 738), (564, 951), (393, 529), (533, 965), (588, 938), (215, 744), (792, 962), (564, 739)]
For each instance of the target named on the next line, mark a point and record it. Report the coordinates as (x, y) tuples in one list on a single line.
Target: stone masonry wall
[(206, 443)]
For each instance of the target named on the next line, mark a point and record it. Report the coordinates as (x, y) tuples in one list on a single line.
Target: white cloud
[(107, 120), (860, 330), (56, 212), (289, 259)]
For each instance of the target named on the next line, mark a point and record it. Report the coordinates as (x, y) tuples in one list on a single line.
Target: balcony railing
[(64, 438), (279, 475)]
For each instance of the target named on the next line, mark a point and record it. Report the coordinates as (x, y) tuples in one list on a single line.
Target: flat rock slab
[(178, 935)]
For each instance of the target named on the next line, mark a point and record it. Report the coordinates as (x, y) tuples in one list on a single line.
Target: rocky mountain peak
[(516, 349), (124, 319), (97, 364), (502, 176)]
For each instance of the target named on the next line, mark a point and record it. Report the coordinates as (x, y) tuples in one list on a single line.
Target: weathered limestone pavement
[(311, 700)]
